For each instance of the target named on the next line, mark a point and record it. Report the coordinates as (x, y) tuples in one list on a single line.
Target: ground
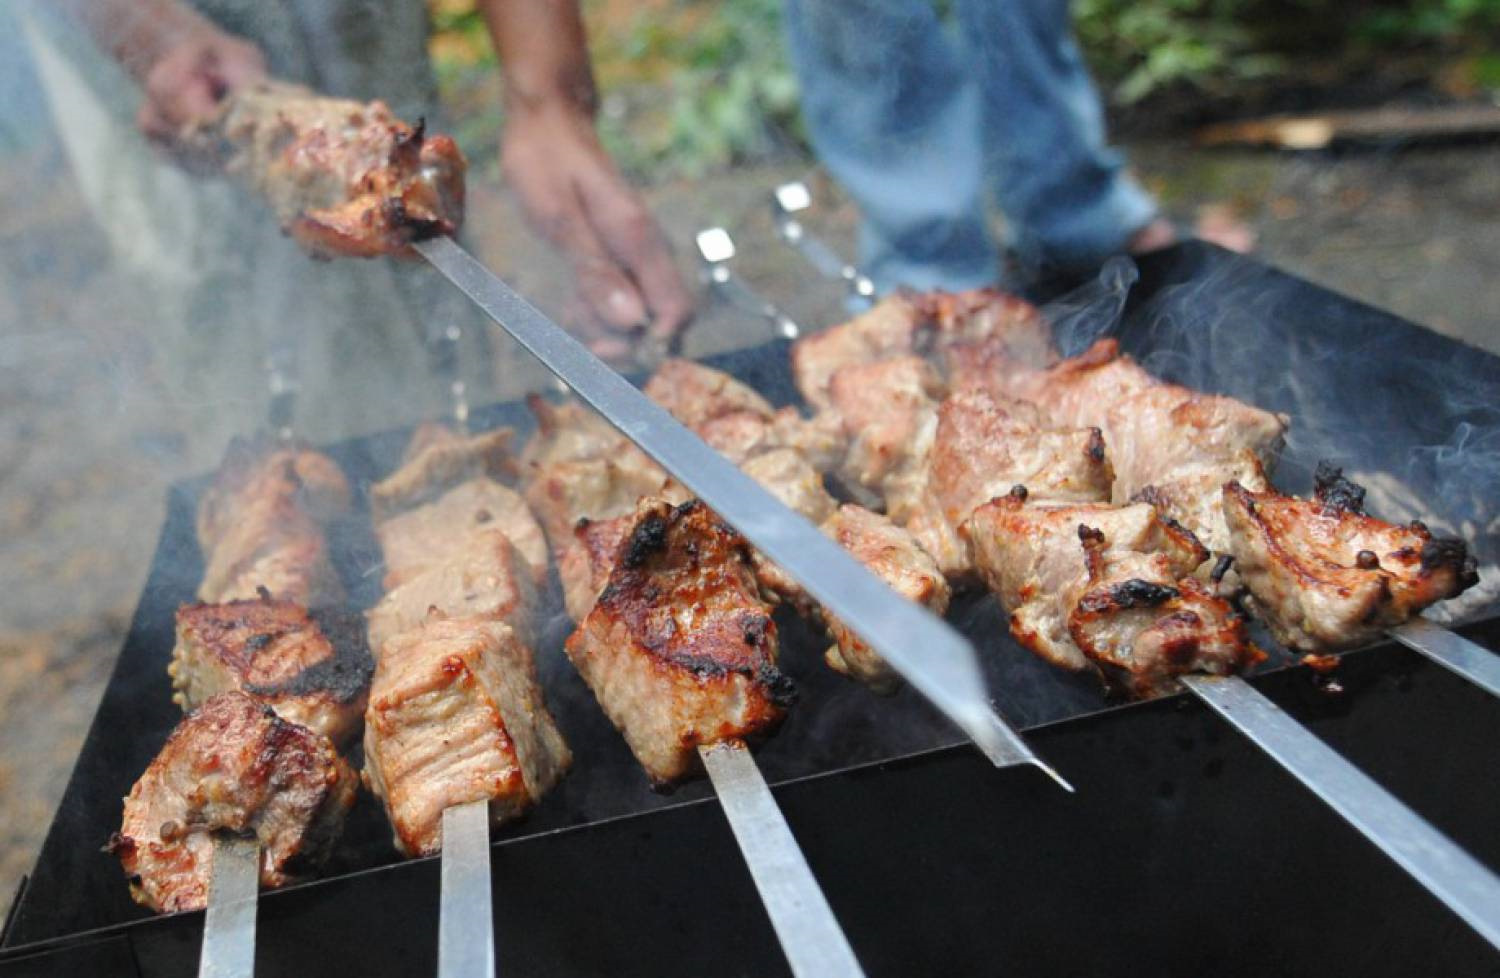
[(85, 456)]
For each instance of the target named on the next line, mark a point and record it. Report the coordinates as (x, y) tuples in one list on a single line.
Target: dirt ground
[(86, 455)]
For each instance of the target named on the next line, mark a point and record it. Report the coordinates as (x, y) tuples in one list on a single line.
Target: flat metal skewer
[(810, 935), (466, 921), (1452, 651), (937, 661), (791, 199), (229, 925), (1453, 876), (716, 247)]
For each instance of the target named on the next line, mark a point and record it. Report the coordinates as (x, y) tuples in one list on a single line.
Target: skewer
[(228, 949), (716, 248), (814, 944), (789, 200), (1452, 651), (229, 925), (466, 922), (1453, 876)]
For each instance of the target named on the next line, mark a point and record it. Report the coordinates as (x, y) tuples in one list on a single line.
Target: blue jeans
[(923, 126)]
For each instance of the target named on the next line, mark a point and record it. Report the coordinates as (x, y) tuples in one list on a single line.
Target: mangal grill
[(1185, 850)]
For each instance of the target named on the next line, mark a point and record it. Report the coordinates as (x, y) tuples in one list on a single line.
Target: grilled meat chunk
[(1104, 588), (584, 566), (888, 329), (345, 178), (481, 575), (984, 448), (889, 411), (438, 458), (1077, 392), (260, 524), (578, 467), (892, 555), (695, 394), (787, 475), (231, 766), (456, 715), (679, 649), (1325, 576), (312, 668), (421, 539)]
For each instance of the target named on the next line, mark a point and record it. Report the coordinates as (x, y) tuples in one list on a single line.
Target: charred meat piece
[(231, 766), (984, 448), (679, 649), (1325, 576), (260, 524), (418, 540), (312, 668), (584, 566), (456, 715), (481, 575), (889, 412), (345, 178), (438, 458), (1105, 588), (891, 554)]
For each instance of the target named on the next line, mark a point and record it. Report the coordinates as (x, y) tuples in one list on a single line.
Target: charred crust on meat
[(343, 675), (779, 687), (1451, 554), (1221, 567), (648, 537), (1134, 593), (1089, 535), (1367, 560), (1019, 492), (1337, 493)]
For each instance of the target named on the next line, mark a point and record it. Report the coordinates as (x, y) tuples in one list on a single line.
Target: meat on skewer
[(345, 178), (1325, 576), (456, 715), (231, 766), (260, 525), (1094, 587), (436, 459), (312, 668), (679, 649)]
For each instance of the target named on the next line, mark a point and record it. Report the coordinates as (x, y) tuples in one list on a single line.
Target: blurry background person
[(924, 126), (232, 290)]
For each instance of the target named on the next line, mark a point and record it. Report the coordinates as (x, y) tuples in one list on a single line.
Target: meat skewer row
[(270, 687), (456, 713)]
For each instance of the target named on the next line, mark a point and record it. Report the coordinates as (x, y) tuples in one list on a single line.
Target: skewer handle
[(466, 924), (716, 247), (1453, 876), (229, 926), (1473, 662), (814, 944), (787, 201)]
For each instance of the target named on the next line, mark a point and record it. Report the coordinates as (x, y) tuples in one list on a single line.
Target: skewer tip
[(1052, 773)]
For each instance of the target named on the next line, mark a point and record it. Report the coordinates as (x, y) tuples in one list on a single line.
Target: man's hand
[(189, 79), (627, 282)]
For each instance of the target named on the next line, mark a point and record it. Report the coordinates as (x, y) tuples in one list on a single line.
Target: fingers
[(635, 242), (189, 81)]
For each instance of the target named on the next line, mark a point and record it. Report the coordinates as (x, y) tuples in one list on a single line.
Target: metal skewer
[(716, 247), (1452, 651), (229, 926), (466, 922), (810, 935), (1453, 876), (789, 200)]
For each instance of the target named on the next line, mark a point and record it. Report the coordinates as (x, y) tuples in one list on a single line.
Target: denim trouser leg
[(1065, 194), (895, 117)]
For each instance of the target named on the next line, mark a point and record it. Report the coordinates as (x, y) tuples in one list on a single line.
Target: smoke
[(1412, 415)]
